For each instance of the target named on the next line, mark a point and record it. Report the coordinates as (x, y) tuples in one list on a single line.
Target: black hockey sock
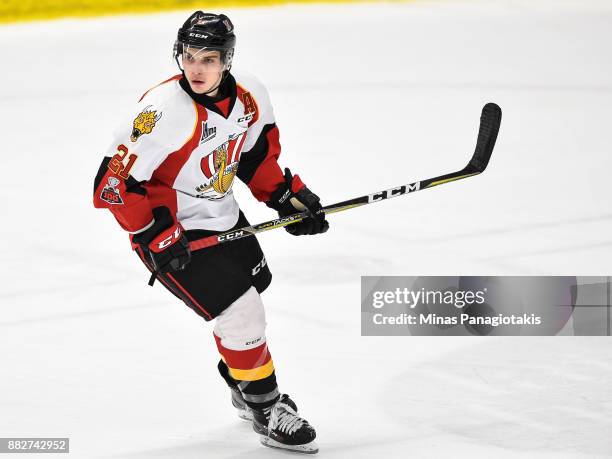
[(258, 395), (261, 393)]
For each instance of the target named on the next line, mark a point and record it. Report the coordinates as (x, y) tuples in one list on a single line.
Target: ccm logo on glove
[(158, 246), (164, 243)]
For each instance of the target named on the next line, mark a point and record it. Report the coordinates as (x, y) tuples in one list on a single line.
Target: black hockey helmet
[(209, 31)]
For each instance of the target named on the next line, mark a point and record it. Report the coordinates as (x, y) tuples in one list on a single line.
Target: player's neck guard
[(227, 88)]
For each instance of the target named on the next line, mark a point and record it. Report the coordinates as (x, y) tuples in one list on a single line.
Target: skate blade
[(308, 448)]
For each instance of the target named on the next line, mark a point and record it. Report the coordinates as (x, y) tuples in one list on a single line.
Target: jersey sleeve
[(139, 146), (258, 166)]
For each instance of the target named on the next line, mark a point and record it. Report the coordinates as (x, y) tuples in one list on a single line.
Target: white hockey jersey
[(183, 150)]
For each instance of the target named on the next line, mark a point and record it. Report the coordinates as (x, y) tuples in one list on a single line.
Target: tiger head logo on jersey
[(144, 123), (220, 168)]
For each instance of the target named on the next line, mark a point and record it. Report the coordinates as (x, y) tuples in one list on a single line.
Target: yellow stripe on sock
[(254, 374)]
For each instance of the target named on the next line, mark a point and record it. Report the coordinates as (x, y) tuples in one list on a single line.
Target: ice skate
[(280, 427), (244, 412)]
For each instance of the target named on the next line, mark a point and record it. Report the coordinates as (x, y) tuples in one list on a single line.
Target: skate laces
[(285, 419)]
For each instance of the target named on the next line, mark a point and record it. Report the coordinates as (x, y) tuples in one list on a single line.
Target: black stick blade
[(490, 120)]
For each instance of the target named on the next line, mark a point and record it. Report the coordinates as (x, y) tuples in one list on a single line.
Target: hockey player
[(167, 179)]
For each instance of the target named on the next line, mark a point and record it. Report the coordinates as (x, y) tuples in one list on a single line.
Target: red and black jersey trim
[(131, 184), (252, 159), (126, 198), (259, 168), (101, 172), (134, 186)]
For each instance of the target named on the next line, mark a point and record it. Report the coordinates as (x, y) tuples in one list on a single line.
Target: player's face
[(203, 69)]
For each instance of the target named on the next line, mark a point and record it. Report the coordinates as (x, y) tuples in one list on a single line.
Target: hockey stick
[(490, 120)]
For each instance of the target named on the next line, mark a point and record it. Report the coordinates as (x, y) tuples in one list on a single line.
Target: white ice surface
[(366, 97)]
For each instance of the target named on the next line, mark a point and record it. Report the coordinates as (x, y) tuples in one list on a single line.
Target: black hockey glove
[(292, 197), (164, 244)]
